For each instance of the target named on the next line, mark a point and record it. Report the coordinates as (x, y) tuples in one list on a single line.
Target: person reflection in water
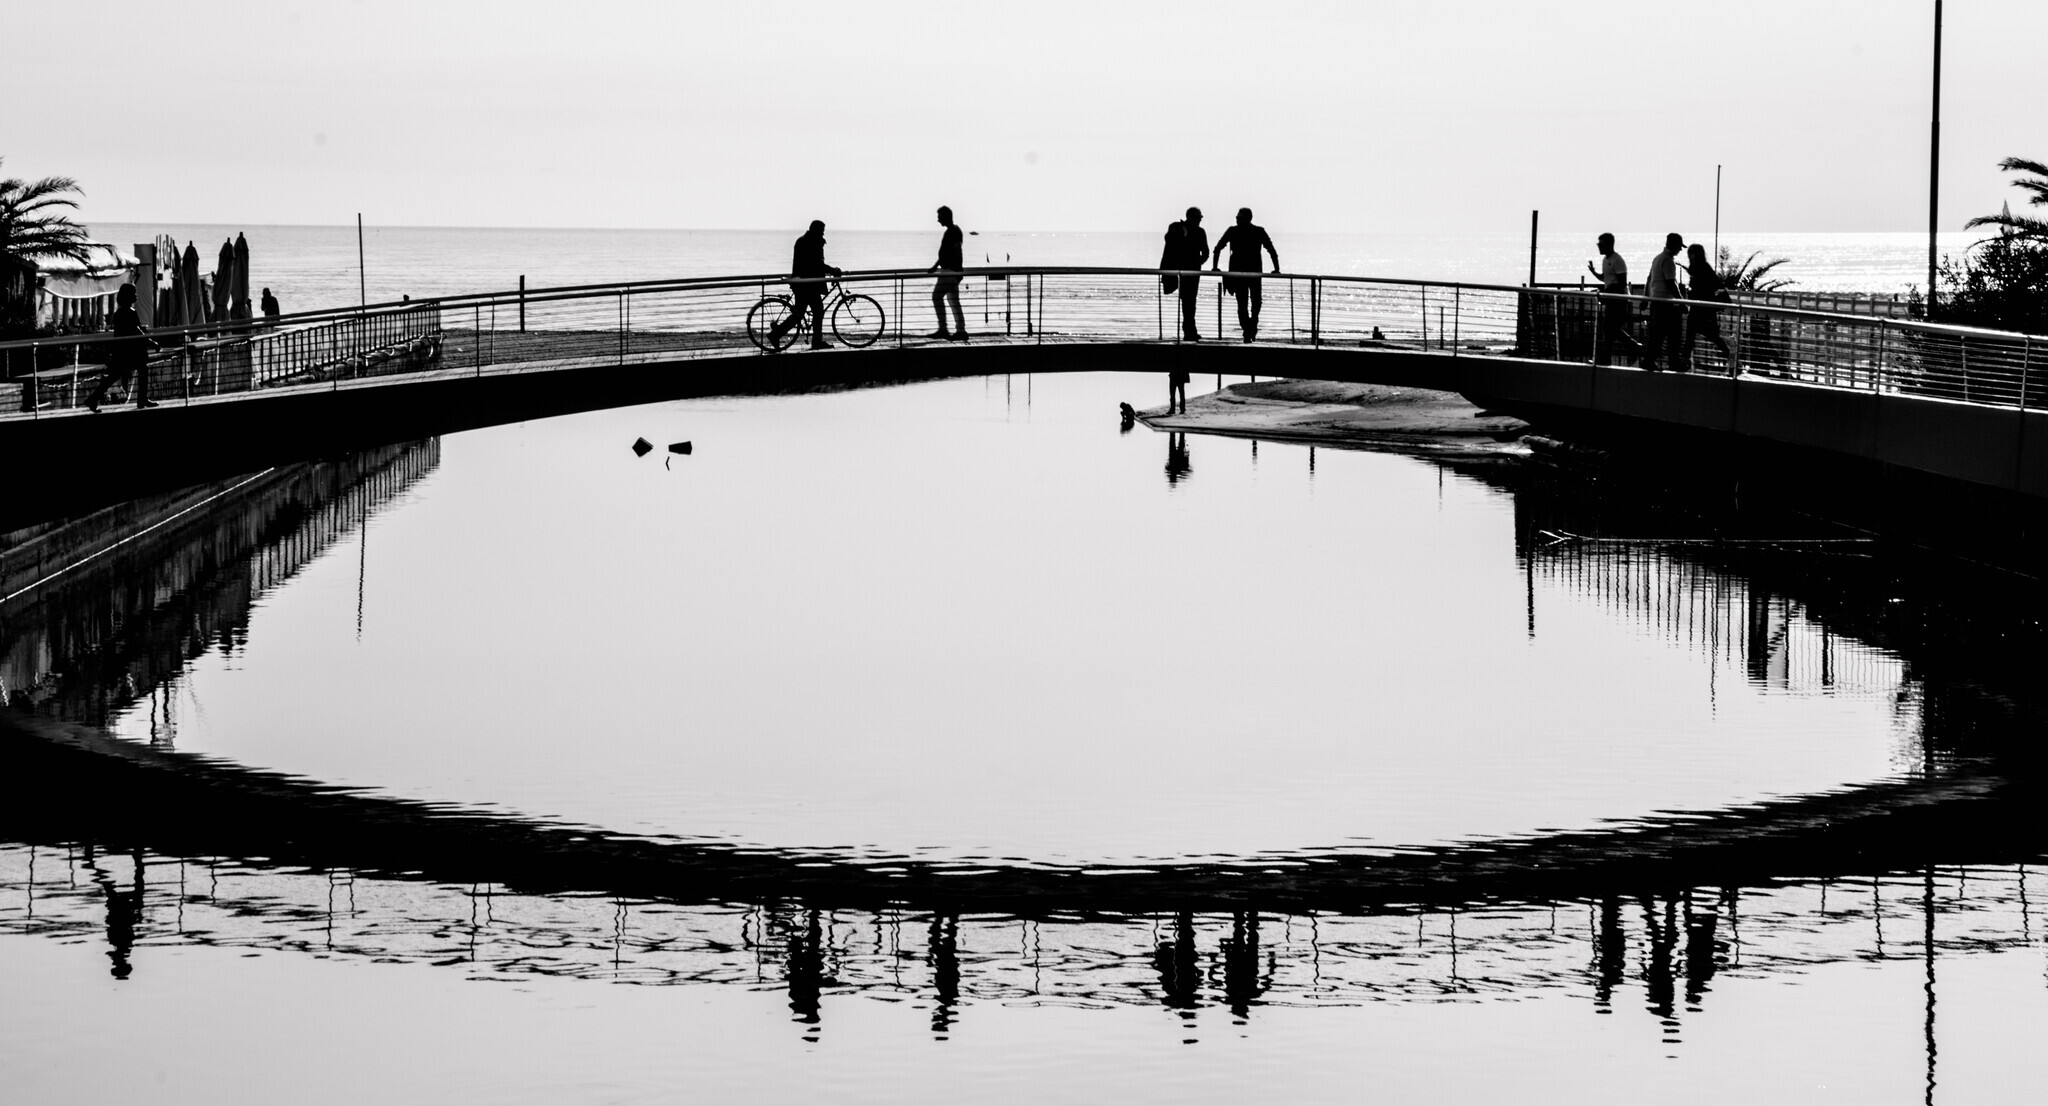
[(1243, 979), (1245, 240), (806, 971), (1180, 974), (124, 914), (1177, 464), (944, 940), (807, 270)]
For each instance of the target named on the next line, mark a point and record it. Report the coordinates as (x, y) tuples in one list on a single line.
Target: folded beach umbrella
[(188, 272), (239, 290), (168, 307), (223, 280)]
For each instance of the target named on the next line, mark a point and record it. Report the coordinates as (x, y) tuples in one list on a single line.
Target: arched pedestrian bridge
[(1954, 402)]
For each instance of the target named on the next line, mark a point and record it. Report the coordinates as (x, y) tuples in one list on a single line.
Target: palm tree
[(2025, 226), (31, 221), (1748, 276)]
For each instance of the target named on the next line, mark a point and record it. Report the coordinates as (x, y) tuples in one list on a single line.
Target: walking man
[(128, 354), (1614, 312), (1667, 319), (807, 273), (1187, 246), (1245, 240), (947, 289)]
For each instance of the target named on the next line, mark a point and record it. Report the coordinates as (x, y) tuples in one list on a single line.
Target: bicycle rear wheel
[(857, 320), (773, 324)]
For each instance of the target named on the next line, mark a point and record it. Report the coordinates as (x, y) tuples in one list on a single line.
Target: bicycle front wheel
[(773, 324), (857, 320)]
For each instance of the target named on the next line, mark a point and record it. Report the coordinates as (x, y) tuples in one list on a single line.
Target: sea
[(314, 267)]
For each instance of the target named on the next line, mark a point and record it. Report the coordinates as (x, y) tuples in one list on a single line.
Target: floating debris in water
[(642, 447), (679, 447)]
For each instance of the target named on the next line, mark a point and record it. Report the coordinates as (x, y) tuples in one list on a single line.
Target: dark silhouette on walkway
[(807, 271), (1667, 318), (1187, 246), (128, 359), (1244, 241), (1615, 312), (946, 291), (1704, 322)]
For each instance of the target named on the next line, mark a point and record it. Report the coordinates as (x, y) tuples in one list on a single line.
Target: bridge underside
[(1885, 444), (89, 461)]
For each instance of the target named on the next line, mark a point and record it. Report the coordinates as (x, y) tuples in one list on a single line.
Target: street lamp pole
[(1934, 164)]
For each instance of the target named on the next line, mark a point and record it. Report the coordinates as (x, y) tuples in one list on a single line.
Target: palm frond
[(2024, 225), (34, 218)]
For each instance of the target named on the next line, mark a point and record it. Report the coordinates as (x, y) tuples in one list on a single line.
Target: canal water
[(976, 630)]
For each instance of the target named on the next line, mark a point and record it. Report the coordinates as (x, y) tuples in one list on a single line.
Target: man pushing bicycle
[(807, 273)]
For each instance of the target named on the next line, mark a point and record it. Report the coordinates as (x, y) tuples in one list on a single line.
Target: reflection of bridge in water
[(1670, 904), (108, 609)]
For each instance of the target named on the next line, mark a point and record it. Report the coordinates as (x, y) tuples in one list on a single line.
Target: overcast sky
[(1102, 115)]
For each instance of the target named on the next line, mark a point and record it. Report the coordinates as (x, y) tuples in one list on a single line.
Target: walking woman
[(1704, 322), (127, 354)]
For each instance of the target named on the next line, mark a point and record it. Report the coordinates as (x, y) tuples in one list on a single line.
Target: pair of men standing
[(808, 273), (1666, 317), (1187, 246)]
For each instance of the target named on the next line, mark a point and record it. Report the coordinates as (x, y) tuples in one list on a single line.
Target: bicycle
[(775, 324)]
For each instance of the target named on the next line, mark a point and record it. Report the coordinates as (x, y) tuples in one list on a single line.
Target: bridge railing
[(537, 329)]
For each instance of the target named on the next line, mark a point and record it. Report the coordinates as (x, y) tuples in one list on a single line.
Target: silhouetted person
[(1704, 322), (1667, 318), (1177, 463), (1187, 246), (124, 915), (1702, 952), (947, 289), (127, 355), (1614, 311), (1180, 974), (1177, 390), (269, 305), (1660, 974), (806, 969), (1245, 240), (945, 956), (807, 273), (1243, 982), (1610, 952)]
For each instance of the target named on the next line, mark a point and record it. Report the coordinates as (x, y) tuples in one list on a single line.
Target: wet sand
[(1353, 416)]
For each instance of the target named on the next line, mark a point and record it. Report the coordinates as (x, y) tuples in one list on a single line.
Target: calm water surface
[(972, 620), (971, 623)]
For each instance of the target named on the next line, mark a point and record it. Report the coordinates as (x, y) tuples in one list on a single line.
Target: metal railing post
[(1424, 289), (1457, 312), (2026, 368)]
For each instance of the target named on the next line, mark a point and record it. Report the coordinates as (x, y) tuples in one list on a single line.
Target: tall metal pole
[(1934, 164), (1532, 248), (1717, 215), (363, 281)]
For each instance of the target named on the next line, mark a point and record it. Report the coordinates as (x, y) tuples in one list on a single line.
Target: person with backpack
[(1187, 246)]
